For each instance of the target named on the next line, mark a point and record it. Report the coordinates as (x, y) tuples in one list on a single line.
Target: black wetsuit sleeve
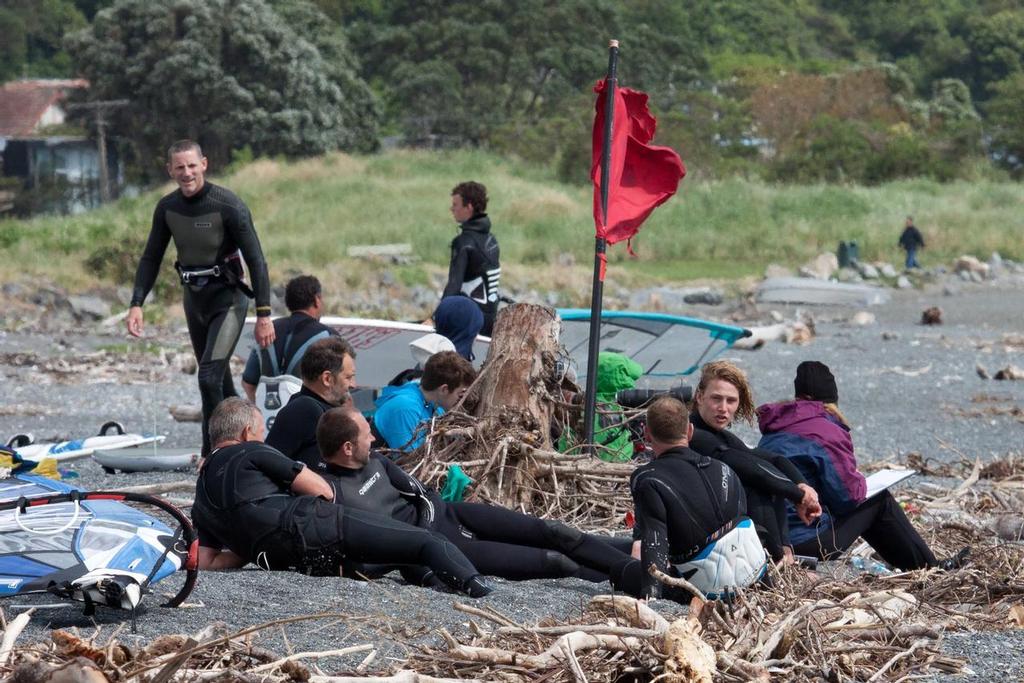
[(278, 468), (782, 463), (457, 267), (152, 257), (752, 470), (652, 532), (244, 234)]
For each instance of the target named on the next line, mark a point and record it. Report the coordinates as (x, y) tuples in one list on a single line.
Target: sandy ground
[(905, 387)]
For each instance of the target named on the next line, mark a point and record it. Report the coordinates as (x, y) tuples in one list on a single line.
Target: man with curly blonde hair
[(723, 394)]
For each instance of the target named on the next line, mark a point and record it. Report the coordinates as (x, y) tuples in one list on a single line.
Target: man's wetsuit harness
[(498, 541), (294, 430), (243, 503), (292, 336), (768, 479), (209, 229), (682, 502), (475, 268)]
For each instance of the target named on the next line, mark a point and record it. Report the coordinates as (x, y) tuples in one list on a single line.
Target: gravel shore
[(905, 387)]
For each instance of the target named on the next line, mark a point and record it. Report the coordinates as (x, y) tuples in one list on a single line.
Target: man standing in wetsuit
[(328, 372), (683, 502), (769, 479), (474, 270), (253, 504), (498, 541), (210, 227)]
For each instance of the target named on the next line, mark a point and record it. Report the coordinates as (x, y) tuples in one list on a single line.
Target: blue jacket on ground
[(400, 410)]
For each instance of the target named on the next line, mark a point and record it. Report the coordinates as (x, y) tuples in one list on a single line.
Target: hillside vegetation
[(309, 212)]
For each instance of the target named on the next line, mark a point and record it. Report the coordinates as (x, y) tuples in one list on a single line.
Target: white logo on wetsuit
[(205, 224), (725, 483), (371, 482)]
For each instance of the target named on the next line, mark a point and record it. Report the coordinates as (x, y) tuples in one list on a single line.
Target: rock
[(386, 279), (1009, 372), (971, 265), (848, 275), (775, 270), (903, 282), (186, 413), (48, 297), (995, 262), (890, 336), (932, 316), (821, 267), (863, 318), (674, 299), (976, 276), (867, 271), (950, 290), (982, 371), (88, 307), (15, 290), (965, 275), (887, 270)]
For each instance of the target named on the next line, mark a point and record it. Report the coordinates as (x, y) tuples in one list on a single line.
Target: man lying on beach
[(254, 504), (498, 541)]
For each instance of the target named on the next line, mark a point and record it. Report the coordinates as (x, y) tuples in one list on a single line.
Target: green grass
[(308, 212)]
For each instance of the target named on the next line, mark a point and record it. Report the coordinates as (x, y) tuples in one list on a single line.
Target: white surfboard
[(147, 458), (80, 448)]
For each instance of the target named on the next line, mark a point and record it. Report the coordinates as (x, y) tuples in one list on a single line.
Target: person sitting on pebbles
[(815, 436)]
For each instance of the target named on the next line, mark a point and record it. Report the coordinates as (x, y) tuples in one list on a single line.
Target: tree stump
[(502, 436)]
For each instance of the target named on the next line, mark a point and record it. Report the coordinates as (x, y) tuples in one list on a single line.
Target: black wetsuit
[(294, 430), (209, 229), (243, 503), (680, 498), (475, 268), (768, 479), (292, 336), (498, 541)]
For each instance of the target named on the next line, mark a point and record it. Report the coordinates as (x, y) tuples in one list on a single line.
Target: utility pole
[(101, 111)]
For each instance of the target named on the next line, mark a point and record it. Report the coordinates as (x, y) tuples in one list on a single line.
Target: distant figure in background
[(911, 240), (459, 319), (474, 269), (273, 372), (212, 231), (814, 435)]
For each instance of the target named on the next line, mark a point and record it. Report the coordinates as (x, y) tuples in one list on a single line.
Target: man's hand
[(635, 550), (134, 321), (264, 332), (808, 509)]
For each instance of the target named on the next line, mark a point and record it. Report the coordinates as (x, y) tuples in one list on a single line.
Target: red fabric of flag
[(642, 176)]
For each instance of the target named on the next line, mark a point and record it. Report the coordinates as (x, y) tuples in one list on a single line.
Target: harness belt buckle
[(216, 271), (186, 276)]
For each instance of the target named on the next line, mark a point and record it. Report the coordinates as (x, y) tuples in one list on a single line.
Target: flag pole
[(600, 247)]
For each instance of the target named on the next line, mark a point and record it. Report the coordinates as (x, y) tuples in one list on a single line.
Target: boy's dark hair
[(326, 355), (335, 427), (447, 367), (472, 193), (300, 293), (667, 419)]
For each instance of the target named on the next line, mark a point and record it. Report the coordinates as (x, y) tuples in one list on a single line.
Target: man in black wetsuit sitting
[(475, 268), (294, 335), (210, 227), (498, 541), (769, 479), (689, 511), (253, 504), (328, 372)]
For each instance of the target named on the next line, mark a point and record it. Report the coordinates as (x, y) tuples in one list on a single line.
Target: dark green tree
[(1005, 124), (231, 75), (31, 37)]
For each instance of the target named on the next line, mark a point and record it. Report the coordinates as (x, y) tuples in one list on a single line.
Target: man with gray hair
[(254, 504)]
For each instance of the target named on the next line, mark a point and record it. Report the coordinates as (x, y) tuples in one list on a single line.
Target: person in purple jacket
[(814, 435)]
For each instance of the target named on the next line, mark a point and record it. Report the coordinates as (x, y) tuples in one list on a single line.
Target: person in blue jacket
[(815, 436), (401, 410)]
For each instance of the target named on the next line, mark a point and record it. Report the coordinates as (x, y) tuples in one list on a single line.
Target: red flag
[(641, 177)]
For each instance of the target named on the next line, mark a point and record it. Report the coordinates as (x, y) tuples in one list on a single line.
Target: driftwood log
[(502, 436)]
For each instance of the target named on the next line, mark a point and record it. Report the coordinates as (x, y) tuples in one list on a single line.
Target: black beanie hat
[(815, 381)]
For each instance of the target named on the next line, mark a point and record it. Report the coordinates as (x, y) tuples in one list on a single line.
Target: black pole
[(600, 246)]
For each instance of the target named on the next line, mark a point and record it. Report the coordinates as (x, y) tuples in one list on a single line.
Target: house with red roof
[(38, 147)]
